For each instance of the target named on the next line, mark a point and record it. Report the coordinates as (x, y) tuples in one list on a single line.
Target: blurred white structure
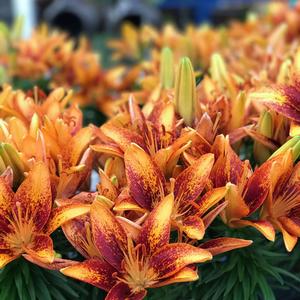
[(27, 10)]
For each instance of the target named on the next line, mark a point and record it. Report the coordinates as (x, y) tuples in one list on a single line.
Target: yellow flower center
[(22, 230), (285, 202), (137, 274), (87, 243)]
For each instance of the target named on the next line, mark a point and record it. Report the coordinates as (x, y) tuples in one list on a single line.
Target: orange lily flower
[(82, 71), (247, 191), (284, 99), (23, 106), (74, 161), (282, 208), (27, 218), (126, 267), (55, 136), (129, 268), (147, 185), (158, 134), (39, 54)]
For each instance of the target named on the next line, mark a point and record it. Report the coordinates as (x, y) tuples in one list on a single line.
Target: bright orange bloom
[(247, 190), (283, 99), (147, 185), (129, 269), (42, 129), (125, 267), (28, 218), (24, 106), (38, 55), (282, 207), (81, 72), (158, 132)]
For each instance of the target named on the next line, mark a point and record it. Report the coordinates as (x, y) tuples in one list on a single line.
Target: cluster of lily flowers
[(168, 158)]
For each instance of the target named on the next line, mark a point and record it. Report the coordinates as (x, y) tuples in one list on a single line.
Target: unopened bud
[(265, 127), (220, 75), (10, 158), (294, 144), (166, 68), (185, 91)]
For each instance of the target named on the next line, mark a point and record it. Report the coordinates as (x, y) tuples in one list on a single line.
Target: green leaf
[(19, 284)]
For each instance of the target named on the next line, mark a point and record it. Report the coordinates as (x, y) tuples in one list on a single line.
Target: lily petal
[(258, 186), (122, 136), (291, 225), (121, 291), (290, 240), (155, 232), (171, 258), (75, 148), (283, 100), (131, 228), (210, 199), (163, 115), (57, 264), (209, 217), (93, 271), (62, 214), (106, 187), (185, 275), (193, 227), (108, 149), (6, 258), (78, 231), (236, 207), (109, 236), (224, 244), (41, 248), (34, 196), (145, 180), (262, 226), (190, 183), (127, 203), (228, 166), (6, 200)]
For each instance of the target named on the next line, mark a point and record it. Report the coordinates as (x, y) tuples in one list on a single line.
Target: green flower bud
[(294, 144), (185, 91), (166, 68), (265, 127), (10, 158)]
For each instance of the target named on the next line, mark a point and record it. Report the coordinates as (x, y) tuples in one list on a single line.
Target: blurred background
[(99, 16)]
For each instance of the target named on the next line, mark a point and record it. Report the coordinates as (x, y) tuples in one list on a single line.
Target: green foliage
[(21, 280), (28, 84), (263, 271), (91, 115)]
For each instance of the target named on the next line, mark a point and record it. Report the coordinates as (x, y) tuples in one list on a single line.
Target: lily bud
[(284, 74), (10, 158), (238, 111), (294, 144), (185, 91), (166, 68), (220, 74), (265, 127)]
